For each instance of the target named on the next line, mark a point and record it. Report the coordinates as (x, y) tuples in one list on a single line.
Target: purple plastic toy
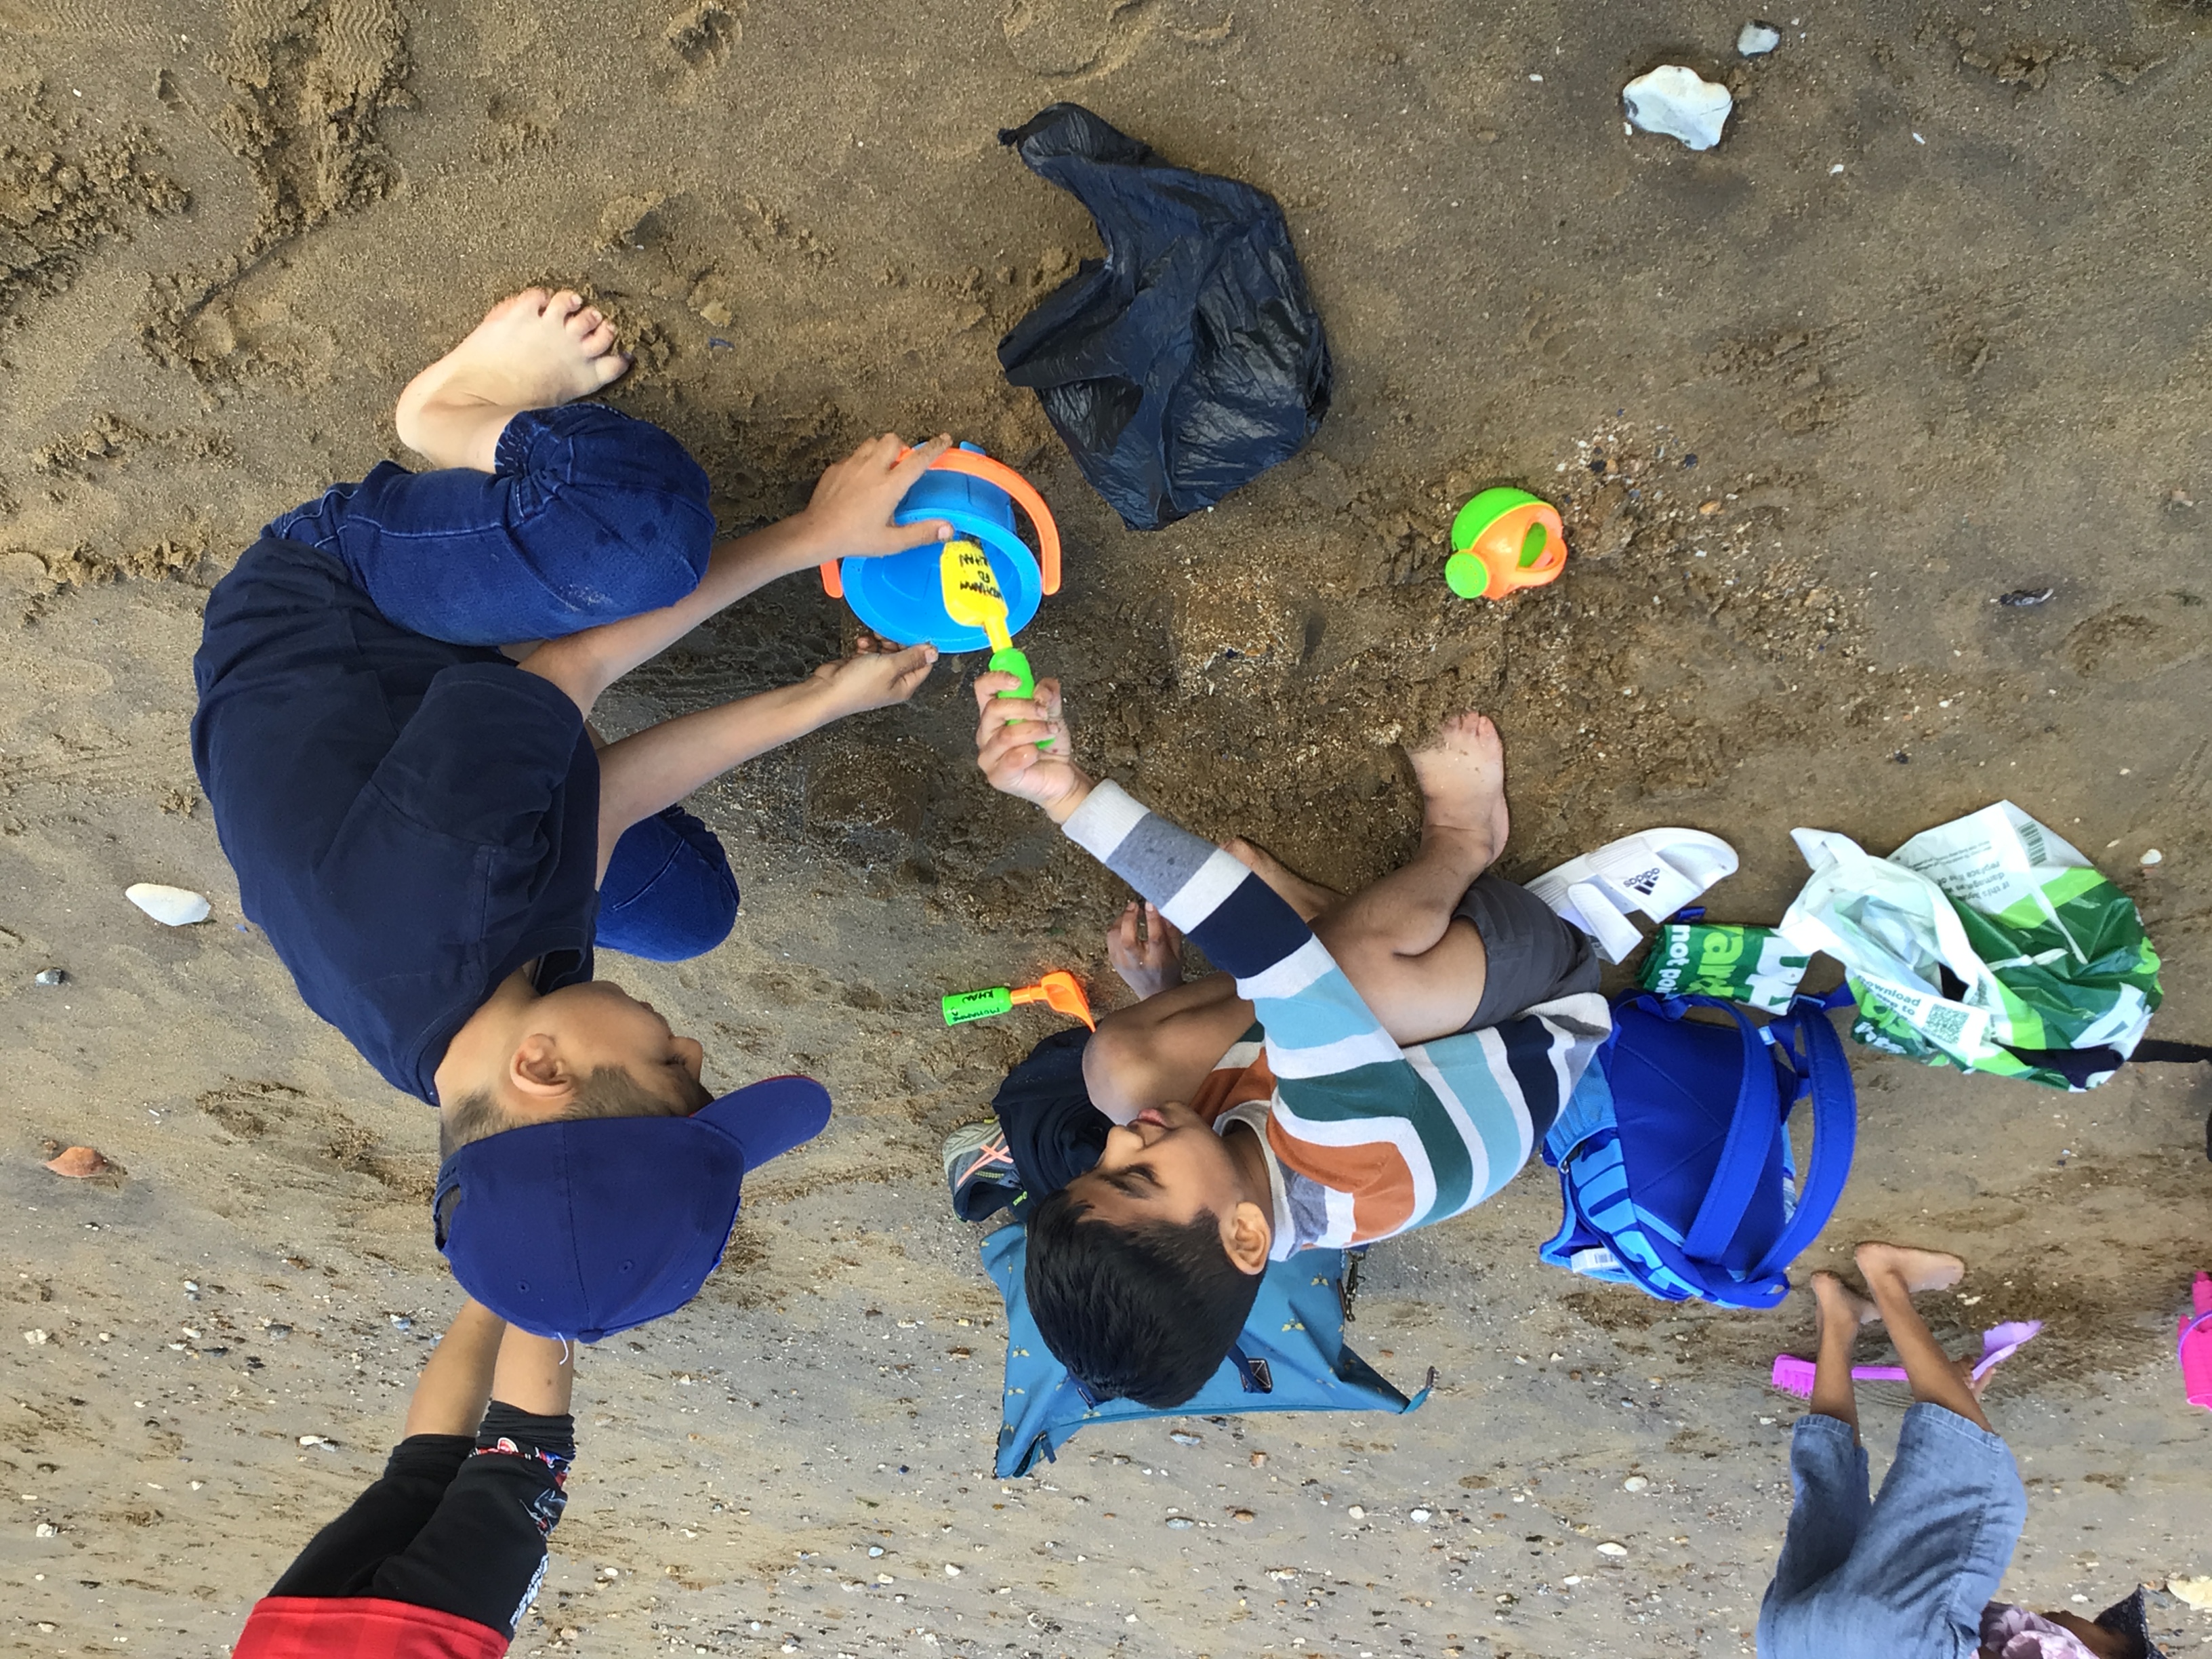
[(1999, 1344)]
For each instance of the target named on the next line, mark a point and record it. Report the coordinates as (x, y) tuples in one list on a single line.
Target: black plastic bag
[(1191, 359)]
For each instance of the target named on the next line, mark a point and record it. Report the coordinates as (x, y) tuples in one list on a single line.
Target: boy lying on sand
[(433, 843), (1415, 1041), (443, 1554)]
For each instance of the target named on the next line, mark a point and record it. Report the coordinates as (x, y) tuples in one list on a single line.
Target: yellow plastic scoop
[(972, 599)]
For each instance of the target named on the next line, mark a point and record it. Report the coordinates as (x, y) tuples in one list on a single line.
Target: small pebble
[(46, 1529), (1241, 1514), (2153, 856), (1182, 1439), (2021, 598), (1357, 1512), (1181, 1523), (172, 907), (1419, 1518), (1613, 1549), (1678, 103), (1259, 1458), (951, 1572), (1634, 1483), (313, 1440), (875, 1550), (1757, 39), (50, 976)]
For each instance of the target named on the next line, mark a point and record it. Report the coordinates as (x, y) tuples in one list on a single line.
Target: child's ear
[(536, 1071), (1248, 1234)]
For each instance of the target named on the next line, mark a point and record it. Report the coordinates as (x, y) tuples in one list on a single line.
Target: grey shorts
[(1904, 1575), (1533, 956)]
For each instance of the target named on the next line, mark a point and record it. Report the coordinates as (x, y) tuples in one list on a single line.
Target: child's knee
[(669, 893), (1120, 1072), (614, 509)]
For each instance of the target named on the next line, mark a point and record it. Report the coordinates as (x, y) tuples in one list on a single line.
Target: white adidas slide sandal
[(1656, 871)]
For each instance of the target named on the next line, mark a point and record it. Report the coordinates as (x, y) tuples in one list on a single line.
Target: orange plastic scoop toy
[(1058, 990)]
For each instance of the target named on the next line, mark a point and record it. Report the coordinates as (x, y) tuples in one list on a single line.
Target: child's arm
[(850, 514), (1317, 1025), (457, 1380), (1163, 1048), (660, 766)]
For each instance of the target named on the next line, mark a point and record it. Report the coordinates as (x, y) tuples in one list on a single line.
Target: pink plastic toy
[(1999, 1344), (2193, 1345)]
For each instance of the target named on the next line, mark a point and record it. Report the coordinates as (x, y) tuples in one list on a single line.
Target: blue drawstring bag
[(1673, 1152), (1291, 1357)]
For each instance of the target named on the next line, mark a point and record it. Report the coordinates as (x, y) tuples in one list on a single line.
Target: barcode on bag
[(1943, 1024)]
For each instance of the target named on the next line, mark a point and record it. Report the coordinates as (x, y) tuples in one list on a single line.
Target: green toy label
[(1751, 965), (964, 1005)]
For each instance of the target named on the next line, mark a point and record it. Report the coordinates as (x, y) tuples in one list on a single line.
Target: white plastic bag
[(2044, 955)]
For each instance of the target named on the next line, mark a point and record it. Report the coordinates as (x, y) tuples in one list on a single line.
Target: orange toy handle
[(1503, 540), (991, 473)]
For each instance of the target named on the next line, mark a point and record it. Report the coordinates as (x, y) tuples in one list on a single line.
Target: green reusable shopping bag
[(1989, 943)]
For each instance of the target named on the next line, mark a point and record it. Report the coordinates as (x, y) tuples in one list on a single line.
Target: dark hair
[(608, 1092), (1146, 1313)]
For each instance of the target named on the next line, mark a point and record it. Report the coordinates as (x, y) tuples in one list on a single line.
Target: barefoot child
[(1911, 1572), (442, 1556), (1418, 1040), (427, 833)]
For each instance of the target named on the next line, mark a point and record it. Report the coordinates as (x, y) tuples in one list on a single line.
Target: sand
[(1932, 321)]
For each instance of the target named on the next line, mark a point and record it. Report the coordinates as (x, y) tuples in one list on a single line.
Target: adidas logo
[(1646, 882)]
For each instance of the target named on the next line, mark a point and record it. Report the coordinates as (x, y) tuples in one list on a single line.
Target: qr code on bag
[(1943, 1024)]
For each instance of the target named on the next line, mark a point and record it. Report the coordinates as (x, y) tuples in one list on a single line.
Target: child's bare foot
[(1839, 1305), (1307, 898), (1916, 1270), (1462, 778), (532, 350)]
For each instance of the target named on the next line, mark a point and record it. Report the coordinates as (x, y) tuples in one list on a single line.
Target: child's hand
[(1006, 739), (1152, 964), (850, 514), (874, 677)]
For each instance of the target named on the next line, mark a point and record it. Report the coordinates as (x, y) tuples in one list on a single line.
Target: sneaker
[(979, 1171)]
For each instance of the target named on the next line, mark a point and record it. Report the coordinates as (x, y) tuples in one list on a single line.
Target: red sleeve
[(360, 1627)]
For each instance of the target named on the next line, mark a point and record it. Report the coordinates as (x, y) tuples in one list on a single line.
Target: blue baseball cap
[(586, 1226)]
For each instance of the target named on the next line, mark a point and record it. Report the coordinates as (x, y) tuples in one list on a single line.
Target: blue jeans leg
[(590, 517), (669, 894)]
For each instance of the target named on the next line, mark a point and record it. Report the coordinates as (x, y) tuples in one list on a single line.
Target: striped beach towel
[(1365, 1139)]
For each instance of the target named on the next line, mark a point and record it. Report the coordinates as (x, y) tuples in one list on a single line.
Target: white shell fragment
[(1757, 39), (172, 907), (1678, 103), (2153, 856)]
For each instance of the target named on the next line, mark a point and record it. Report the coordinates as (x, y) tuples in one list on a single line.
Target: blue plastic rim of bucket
[(901, 597)]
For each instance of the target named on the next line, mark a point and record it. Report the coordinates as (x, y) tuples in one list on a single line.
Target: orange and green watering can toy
[(1058, 990), (1505, 540)]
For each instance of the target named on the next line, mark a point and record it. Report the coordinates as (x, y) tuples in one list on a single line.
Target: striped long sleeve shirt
[(1364, 1139)]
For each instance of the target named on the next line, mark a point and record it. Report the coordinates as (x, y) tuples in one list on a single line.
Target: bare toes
[(564, 304), (586, 320), (531, 300)]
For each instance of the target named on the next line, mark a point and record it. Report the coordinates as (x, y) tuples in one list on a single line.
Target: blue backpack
[(1673, 1152), (1291, 1357)]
